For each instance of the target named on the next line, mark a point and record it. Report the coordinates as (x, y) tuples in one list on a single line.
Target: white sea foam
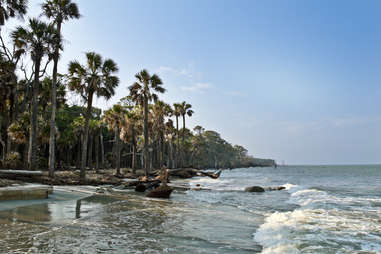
[(291, 188), (215, 184), (321, 223)]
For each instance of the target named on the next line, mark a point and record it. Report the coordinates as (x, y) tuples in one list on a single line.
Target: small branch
[(44, 70), (6, 50)]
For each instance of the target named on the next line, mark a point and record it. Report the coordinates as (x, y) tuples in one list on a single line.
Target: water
[(324, 209)]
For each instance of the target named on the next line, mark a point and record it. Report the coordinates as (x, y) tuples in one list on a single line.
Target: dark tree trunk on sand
[(146, 159), (52, 139), (102, 149), (183, 144), (32, 153), (133, 163), (86, 136), (117, 143), (90, 153), (97, 152)]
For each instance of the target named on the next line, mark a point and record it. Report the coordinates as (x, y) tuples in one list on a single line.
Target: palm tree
[(160, 110), (11, 8), (38, 37), (94, 78), (130, 129), (59, 11), (142, 92), (169, 135), (115, 118), (185, 109), (177, 113)]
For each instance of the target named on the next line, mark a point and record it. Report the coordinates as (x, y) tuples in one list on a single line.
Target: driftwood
[(212, 175), (20, 172), (163, 191)]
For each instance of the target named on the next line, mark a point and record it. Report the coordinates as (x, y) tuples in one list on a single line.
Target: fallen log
[(212, 175), (163, 191), (20, 172)]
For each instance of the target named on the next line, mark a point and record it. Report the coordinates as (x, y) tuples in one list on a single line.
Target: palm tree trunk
[(32, 153), (90, 152), (86, 136), (183, 144), (78, 157), (146, 160), (171, 155), (178, 141), (133, 163), (102, 149), (97, 152), (117, 140), (52, 141)]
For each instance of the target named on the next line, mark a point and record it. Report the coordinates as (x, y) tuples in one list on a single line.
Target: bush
[(13, 161)]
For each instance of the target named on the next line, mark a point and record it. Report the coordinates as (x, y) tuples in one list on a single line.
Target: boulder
[(163, 191), (254, 189), (140, 187)]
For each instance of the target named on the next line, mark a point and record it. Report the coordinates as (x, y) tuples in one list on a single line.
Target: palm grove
[(40, 130)]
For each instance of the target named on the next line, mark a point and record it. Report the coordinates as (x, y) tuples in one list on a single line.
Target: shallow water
[(331, 209)]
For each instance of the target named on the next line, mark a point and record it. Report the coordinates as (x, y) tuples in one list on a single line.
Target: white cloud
[(180, 72), (198, 87)]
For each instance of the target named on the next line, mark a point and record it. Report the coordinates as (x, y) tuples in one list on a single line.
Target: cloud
[(198, 87), (180, 72)]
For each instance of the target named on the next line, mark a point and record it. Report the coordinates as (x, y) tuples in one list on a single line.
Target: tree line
[(40, 130)]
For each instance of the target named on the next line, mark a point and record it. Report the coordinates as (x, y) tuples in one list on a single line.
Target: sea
[(323, 209)]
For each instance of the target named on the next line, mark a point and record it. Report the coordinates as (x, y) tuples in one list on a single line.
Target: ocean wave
[(323, 223)]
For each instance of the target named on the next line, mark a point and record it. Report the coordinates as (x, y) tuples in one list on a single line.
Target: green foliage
[(12, 161)]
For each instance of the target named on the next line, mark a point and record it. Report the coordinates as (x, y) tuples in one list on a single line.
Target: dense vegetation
[(39, 129)]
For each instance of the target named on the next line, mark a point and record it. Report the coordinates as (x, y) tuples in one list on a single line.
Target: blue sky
[(291, 80)]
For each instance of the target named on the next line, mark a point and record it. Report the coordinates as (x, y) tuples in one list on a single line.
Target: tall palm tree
[(130, 130), (160, 110), (38, 37), (185, 109), (142, 92), (58, 11), (12, 8), (115, 118), (177, 113), (94, 78)]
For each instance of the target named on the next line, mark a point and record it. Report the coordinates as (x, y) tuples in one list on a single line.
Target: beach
[(324, 209)]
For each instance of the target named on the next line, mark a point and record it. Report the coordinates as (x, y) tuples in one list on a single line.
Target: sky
[(296, 81)]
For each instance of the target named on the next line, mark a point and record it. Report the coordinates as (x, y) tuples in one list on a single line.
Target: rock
[(163, 191), (254, 189), (140, 188)]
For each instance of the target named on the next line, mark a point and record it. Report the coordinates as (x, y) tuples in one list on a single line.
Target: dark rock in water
[(140, 188), (163, 191), (155, 185), (198, 185), (254, 189)]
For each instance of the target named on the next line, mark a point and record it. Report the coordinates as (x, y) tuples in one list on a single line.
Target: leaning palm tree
[(58, 11), (96, 77), (142, 92), (12, 8), (115, 118), (185, 109), (38, 37)]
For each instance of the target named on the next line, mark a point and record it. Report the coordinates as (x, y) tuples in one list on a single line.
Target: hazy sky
[(298, 81)]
